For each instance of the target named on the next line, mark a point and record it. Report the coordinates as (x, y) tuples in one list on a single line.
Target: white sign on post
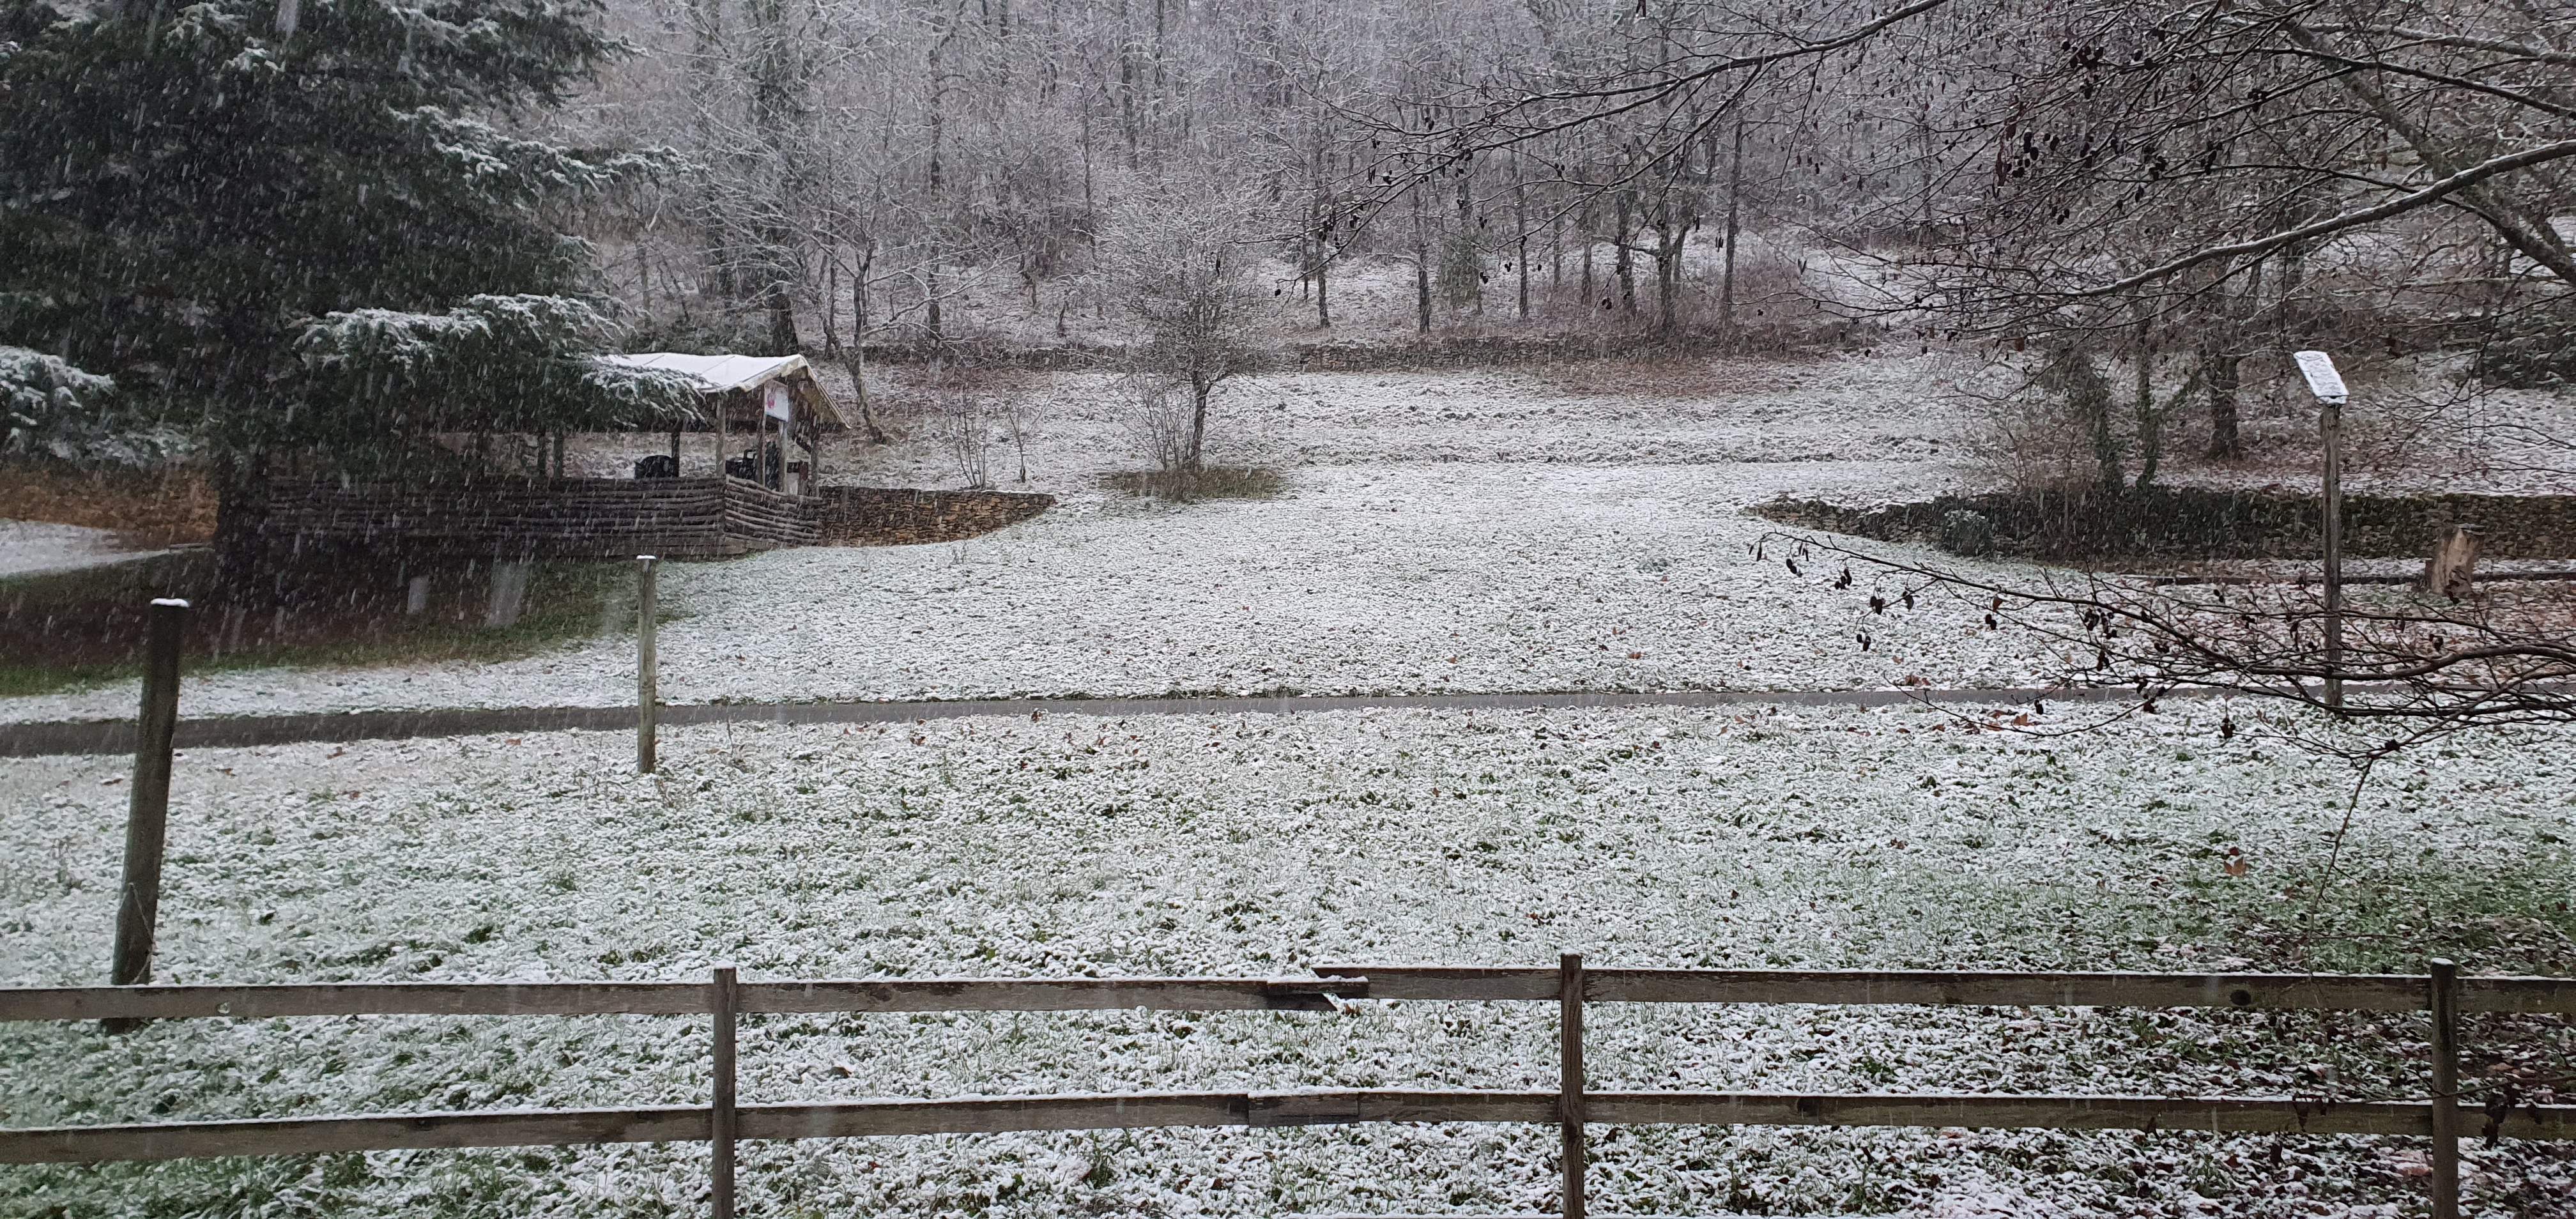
[(2323, 380), (774, 398)]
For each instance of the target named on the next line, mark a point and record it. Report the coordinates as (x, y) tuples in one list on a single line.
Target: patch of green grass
[(70, 630), (1210, 482)]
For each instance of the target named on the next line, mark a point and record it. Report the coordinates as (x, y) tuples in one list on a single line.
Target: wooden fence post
[(147, 818), (721, 1125), (647, 680), (2446, 1089), (1569, 1099)]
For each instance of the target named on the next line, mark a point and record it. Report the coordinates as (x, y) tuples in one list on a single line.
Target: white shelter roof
[(717, 374)]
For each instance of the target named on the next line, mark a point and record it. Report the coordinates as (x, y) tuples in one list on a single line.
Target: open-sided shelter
[(766, 400)]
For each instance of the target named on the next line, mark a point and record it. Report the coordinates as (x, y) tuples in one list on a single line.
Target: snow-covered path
[(29, 547)]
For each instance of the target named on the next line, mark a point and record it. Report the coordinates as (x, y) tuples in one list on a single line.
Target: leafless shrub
[(1157, 412), (966, 423)]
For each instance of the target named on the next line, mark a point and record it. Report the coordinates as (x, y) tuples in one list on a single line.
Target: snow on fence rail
[(1571, 985)]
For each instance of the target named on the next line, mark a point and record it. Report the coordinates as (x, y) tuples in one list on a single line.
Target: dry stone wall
[(325, 520), (879, 516)]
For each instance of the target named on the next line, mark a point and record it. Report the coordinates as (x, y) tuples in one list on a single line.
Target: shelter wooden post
[(2445, 998), (1569, 1098), (722, 1116), (647, 678), (147, 818)]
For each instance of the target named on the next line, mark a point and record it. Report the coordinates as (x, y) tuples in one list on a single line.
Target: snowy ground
[(1557, 528), (28, 547), (1259, 845), (1505, 530), (1534, 544)]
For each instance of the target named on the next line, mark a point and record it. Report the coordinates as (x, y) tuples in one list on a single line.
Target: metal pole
[(2446, 1089), (147, 818), (2330, 421), (1569, 1098), (647, 694), (721, 1115)]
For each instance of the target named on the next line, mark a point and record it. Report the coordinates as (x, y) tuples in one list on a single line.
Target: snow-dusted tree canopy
[(50, 407), (520, 362), (228, 207)]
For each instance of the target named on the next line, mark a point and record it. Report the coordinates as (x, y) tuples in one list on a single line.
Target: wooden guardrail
[(1571, 985)]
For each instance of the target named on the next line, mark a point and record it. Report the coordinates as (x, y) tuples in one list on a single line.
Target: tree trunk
[(1670, 237), (1623, 259), (1734, 213), (1587, 264), (782, 323), (1324, 292), (1520, 225), (1421, 268), (938, 183), (1470, 269), (855, 356), (2151, 422), (1198, 421), (2218, 375), (1321, 225)]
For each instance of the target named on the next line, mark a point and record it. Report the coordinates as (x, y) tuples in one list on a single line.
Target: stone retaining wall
[(318, 519), (327, 520), (2215, 524)]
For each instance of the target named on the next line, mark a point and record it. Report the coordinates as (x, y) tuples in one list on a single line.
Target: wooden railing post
[(2446, 1089), (647, 680), (147, 818), (721, 1114), (1569, 1100)]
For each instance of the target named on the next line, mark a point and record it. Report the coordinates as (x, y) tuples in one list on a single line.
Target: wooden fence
[(1572, 986)]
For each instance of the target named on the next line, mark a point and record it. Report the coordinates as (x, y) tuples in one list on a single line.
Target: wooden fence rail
[(676, 998), (1571, 985), (2253, 992), (990, 1115)]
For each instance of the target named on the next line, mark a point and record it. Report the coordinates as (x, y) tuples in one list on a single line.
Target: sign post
[(2327, 384)]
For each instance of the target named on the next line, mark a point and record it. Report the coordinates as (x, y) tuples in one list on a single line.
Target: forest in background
[(2121, 204)]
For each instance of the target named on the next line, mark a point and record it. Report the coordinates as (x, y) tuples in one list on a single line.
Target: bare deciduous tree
[(1180, 269)]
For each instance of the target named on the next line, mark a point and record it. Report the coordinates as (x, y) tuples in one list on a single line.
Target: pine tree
[(301, 227)]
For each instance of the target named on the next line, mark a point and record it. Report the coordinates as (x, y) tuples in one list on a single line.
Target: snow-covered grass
[(1506, 529), (1543, 529), (1384, 566), (1259, 845)]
